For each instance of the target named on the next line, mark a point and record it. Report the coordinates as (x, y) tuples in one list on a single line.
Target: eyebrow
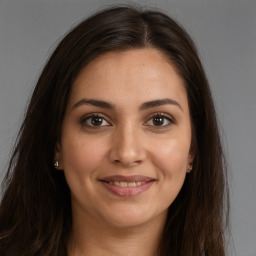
[(144, 106), (158, 103), (93, 102)]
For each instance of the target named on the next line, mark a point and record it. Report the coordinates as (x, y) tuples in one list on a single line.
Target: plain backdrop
[(225, 34)]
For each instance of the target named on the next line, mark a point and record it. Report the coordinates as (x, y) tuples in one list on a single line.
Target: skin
[(128, 139)]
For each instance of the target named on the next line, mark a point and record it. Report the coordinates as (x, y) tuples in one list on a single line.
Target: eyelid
[(163, 115), (84, 118)]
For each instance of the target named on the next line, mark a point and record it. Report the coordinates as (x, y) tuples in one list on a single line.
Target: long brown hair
[(35, 211)]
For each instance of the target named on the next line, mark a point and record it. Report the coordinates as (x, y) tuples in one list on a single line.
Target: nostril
[(127, 163), (127, 154)]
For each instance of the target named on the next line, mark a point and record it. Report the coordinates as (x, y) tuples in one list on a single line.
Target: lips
[(125, 186)]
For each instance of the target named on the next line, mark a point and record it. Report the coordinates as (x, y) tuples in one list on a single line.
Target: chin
[(134, 217)]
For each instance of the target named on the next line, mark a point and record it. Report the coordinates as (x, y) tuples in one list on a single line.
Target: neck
[(92, 238)]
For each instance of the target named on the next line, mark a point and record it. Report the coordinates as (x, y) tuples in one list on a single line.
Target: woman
[(119, 152)]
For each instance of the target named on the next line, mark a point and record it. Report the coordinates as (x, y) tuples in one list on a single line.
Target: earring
[(190, 167), (56, 164)]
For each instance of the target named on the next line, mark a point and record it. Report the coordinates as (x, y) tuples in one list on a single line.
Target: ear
[(58, 163), (191, 157), (190, 162)]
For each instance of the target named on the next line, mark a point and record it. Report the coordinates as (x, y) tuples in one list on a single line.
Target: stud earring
[(190, 167), (56, 164)]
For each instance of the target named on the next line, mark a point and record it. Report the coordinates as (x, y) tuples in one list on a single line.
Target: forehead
[(140, 74)]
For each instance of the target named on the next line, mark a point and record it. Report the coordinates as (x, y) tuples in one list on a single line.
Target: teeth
[(131, 184), (123, 184), (127, 184)]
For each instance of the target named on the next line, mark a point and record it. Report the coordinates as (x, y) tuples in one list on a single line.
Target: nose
[(127, 147)]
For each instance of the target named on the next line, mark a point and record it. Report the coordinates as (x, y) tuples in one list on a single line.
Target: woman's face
[(126, 135)]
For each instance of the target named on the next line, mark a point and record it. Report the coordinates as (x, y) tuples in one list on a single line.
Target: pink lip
[(127, 178), (127, 191)]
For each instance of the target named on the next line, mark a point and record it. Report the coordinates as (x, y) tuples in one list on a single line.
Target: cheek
[(81, 159), (171, 162), (172, 157), (80, 163)]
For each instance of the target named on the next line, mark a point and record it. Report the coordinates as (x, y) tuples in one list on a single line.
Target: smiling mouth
[(127, 185), (124, 184)]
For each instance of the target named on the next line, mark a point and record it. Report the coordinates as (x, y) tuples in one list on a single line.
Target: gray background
[(225, 33)]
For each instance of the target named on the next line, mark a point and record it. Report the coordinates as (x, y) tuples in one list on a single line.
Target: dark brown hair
[(35, 211)]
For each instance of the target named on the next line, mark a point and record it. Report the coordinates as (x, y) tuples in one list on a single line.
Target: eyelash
[(164, 116), (89, 117)]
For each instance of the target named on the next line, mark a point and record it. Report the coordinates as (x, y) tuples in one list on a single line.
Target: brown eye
[(159, 120), (94, 121)]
